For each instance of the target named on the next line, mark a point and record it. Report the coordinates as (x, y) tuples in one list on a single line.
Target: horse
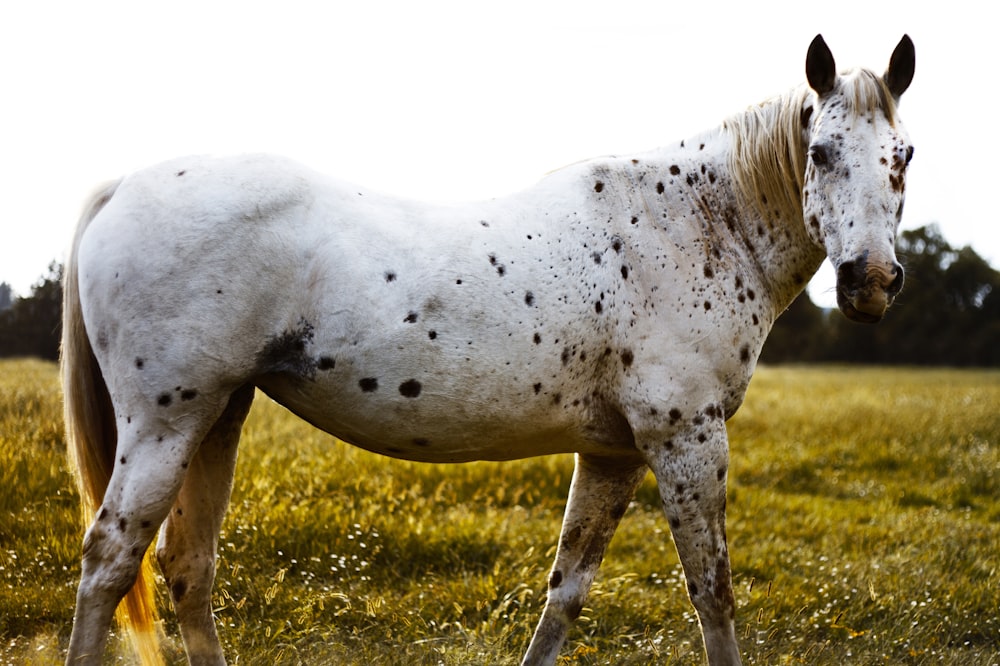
[(615, 311)]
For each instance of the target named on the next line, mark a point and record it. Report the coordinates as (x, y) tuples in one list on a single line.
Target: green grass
[(864, 525)]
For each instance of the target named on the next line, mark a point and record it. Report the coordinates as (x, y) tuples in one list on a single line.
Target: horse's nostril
[(897, 282)]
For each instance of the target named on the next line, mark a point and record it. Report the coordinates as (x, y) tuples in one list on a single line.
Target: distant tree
[(800, 334), (6, 296), (31, 326)]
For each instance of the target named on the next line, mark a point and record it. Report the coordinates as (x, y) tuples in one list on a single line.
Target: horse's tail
[(92, 436)]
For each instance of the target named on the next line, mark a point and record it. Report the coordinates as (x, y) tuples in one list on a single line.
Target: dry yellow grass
[(864, 526)]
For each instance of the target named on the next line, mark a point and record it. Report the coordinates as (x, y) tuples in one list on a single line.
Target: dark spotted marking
[(675, 170), (675, 414), (596, 256), (326, 363), (484, 224), (709, 273), (144, 524), (122, 460), (660, 188), (624, 272), (410, 388), (529, 298), (566, 355), (122, 524), (598, 308), (538, 388), (745, 353), (536, 338), (555, 580), (616, 245), (390, 276), (178, 589), (188, 394), (598, 186), (707, 305), (692, 589), (181, 173), (164, 400), (627, 357), (720, 473), (432, 335), (410, 318), (635, 220), (368, 384), (139, 363), (285, 353)]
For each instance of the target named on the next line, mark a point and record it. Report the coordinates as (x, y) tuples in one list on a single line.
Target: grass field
[(864, 525)]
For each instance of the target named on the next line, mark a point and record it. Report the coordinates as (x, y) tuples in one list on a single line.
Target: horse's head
[(852, 194)]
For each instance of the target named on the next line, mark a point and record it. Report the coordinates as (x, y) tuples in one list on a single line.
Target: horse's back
[(416, 330)]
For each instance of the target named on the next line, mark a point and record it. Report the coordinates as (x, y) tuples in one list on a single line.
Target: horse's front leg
[(691, 464), (601, 491)]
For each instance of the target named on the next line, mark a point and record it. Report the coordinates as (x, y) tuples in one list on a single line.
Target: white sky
[(452, 100)]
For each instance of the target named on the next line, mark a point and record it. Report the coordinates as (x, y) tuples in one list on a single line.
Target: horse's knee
[(109, 566)]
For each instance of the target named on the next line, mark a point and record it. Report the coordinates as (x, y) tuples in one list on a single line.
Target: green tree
[(32, 325), (6, 296)]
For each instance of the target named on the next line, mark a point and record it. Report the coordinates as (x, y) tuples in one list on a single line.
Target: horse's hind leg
[(151, 458), (186, 550), (601, 491)]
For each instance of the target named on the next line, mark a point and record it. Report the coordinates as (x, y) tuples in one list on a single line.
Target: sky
[(452, 101)]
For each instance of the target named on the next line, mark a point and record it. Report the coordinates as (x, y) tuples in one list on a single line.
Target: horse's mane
[(768, 159)]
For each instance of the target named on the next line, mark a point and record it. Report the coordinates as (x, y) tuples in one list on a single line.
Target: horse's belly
[(412, 423)]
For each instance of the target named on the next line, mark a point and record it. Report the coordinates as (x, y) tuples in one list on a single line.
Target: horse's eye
[(909, 154), (818, 155)]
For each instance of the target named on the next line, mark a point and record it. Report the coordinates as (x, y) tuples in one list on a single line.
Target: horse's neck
[(773, 245)]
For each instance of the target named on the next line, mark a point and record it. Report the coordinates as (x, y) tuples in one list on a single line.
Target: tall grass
[(864, 524)]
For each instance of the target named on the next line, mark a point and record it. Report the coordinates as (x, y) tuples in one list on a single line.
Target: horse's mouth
[(863, 310)]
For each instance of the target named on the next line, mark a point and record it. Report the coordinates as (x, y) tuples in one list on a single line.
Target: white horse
[(615, 310)]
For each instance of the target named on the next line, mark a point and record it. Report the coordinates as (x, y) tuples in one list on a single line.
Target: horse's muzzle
[(866, 290)]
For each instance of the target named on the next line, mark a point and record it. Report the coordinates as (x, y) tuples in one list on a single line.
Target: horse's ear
[(821, 70), (901, 65)]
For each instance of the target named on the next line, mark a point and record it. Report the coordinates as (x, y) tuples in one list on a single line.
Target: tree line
[(948, 314)]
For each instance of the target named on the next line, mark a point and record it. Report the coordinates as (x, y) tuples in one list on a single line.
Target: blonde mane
[(768, 159)]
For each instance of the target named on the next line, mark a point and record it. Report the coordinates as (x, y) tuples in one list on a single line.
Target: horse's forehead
[(860, 130)]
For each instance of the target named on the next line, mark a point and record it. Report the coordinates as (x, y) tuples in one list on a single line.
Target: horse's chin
[(863, 312)]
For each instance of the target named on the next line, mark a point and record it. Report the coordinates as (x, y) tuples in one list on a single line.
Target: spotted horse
[(616, 311)]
